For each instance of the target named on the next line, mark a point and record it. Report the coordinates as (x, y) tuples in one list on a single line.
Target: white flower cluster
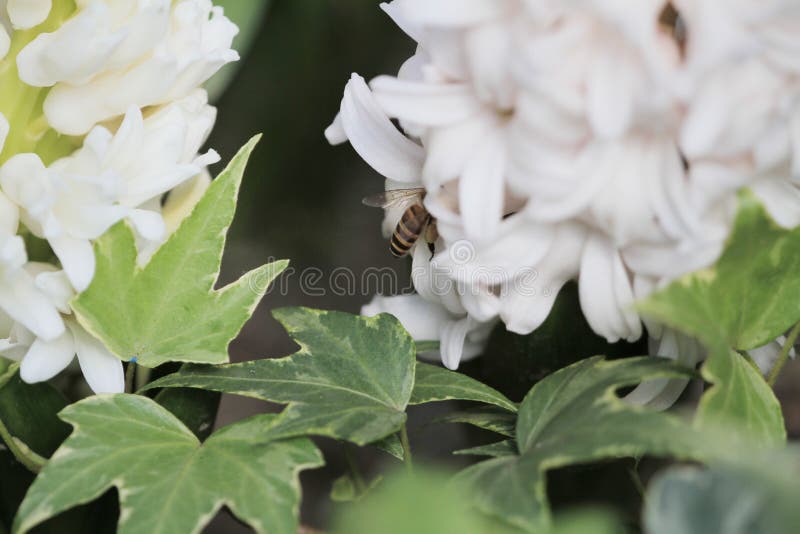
[(602, 141), (121, 80)]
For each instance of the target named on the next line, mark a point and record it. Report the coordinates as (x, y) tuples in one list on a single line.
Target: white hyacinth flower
[(113, 176), (587, 140), (123, 78), (114, 54), (42, 359)]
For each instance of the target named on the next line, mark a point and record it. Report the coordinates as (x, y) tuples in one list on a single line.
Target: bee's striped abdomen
[(408, 230)]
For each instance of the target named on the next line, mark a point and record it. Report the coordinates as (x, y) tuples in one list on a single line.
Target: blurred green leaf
[(723, 500), (746, 300), (434, 383), (167, 480), (749, 297), (345, 489), (28, 422), (248, 15), (740, 398), (423, 502), (574, 416), (350, 380), (391, 445), (428, 501), (500, 449), (169, 310)]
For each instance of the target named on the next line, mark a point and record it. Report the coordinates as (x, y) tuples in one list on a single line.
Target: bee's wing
[(395, 197)]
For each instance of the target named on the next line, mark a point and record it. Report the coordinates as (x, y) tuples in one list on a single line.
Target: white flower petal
[(5, 44), (453, 339), (148, 224), (4, 126), (605, 294), (422, 319), (766, 356), (481, 189), (449, 13), (26, 14), (55, 285), (101, 369), (424, 103), (661, 394), (374, 136), (45, 359), (77, 258), (23, 301), (531, 296)]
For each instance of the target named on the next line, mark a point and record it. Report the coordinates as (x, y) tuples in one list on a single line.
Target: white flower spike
[(598, 141)]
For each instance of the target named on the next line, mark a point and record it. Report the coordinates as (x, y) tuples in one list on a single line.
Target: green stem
[(130, 376), (24, 455), (355, 473), (784, 356), (406, 448), (636, 479)]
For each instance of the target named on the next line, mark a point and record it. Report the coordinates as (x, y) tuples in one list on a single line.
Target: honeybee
[(415, 221)]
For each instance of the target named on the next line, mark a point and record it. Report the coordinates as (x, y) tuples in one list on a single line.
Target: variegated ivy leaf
[(434, 383), (750, 297), (166, 479), (574, 416), (350, 380), (169, 310)]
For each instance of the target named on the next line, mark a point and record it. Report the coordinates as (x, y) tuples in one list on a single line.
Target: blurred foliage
[(428, 501)]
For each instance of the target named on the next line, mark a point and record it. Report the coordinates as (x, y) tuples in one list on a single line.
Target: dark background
[(301, 200)]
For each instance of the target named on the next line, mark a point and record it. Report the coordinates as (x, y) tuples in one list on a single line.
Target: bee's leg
[(431, 235)]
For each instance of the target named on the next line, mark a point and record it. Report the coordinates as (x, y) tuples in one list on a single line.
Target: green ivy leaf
[(167, 480), (28, 422), (750, 297), (345, 489), (746, 300), (500, 449), (487, 418), (391, 445), (196, 408), (350, 380), (169, 310), (574, 416), (434, 383), (740, 399)]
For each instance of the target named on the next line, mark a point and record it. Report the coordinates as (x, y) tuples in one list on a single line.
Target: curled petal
[(374, 136)]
